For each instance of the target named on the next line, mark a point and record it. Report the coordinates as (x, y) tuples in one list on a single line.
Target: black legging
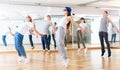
[(31, 41), (104, 36), (79, 38)]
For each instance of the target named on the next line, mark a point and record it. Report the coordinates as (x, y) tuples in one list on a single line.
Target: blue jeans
[(113, 38), (4, 40), (18, 39), (45, 42), (49, 40), (31, 41)]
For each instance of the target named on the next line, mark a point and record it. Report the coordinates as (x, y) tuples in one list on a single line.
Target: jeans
[(104, 36), (80, 38), (18, 39), (4, 40), (113, 38), (31, 41), (45, 42)]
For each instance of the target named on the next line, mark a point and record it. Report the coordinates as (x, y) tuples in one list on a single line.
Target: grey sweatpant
[(79, 38), (60, 37)]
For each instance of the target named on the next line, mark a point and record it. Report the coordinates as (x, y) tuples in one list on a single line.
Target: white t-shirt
[(83, 25), (25, 27)]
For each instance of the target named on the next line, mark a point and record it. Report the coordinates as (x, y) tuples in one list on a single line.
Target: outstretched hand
[(84, 31), (41, 34), (71, 34), (118, 31)]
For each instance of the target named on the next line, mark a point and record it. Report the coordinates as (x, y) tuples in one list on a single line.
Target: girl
[(61, 33), (18, 38), (79, 35)]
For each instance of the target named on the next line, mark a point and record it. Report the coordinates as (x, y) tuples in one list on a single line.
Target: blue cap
[(68, 9)]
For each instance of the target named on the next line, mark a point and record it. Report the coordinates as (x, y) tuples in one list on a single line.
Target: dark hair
[(30, 18), (68, 24), (48, 16), (16, 26), (82, 19), (73, 14), (112, 26), (106, 12), (55, 23)]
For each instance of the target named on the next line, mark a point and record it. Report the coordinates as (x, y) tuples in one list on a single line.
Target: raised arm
[(110, 21), (34, 29), (75, 24), (12, 34), (53, 28)]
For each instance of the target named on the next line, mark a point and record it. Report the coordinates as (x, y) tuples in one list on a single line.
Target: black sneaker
[(103, 53), (109, 54)]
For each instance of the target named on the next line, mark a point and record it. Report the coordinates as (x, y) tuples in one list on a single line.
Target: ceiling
[(12, 9), (100, 3)]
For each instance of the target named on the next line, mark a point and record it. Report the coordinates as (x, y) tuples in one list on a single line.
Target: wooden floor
[(78, 61)]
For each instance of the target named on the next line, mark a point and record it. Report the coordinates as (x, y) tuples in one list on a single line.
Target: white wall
[(95, 28)]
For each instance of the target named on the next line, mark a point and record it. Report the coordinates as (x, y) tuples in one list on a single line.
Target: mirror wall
[(13, 16)]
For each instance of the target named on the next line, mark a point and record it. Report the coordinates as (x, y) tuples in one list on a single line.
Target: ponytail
[(69, 23)]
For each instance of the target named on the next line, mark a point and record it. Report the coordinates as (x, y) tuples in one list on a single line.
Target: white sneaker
[(48, 53), (79, 50), (20, 59), (66, 62), (6, 47), (27, 60), (65, 48), (85, 51)]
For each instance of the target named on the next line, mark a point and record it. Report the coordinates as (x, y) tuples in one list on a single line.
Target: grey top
[(104, 24), (113, 30), (45, 27)]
